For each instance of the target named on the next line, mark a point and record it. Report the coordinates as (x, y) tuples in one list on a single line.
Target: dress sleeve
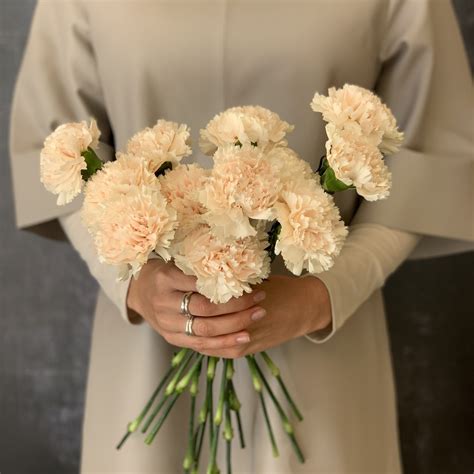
[(58, 82), (426, 81), (379, 250), (106, 275)]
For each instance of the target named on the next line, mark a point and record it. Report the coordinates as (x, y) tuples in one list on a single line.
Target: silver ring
[(185, 303), (189, 325)]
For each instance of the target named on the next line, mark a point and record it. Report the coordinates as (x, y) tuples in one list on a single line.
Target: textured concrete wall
[(47, 298)]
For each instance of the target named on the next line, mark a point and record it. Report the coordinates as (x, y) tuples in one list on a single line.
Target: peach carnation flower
[(355, 108), (289, 167), (135, 224), (181, 187), (245, 126), (166, 141), (243, 185), (61, 161), (312, 233), (358, 163), (223, 269), (115, 180)]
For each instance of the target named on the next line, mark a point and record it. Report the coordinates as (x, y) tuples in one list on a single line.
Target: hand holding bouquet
[(223, 226)]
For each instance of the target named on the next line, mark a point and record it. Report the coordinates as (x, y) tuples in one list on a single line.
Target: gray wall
[(44, 338)]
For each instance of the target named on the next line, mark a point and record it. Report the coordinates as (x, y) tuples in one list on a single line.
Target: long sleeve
[(58, 82), (426, 81), (371, 253), (106, 275)]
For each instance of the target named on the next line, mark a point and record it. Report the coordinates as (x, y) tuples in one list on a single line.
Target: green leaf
[(93, 163), (167, 165), (331, 184)]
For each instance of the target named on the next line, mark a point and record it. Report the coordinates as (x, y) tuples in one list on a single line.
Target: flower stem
[(241, 431), (151, 436), (134, 425), (275, 371), (228, 431), (211, 371), (287, 426), (257, 383), (193, 390), (234, 405), (269, 426), (183, 362), (212, 467)]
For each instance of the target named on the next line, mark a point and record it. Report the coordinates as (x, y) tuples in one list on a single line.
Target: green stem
[(151, 436), (189, 458), (234, 405), (193, 390), (170, 388), (183, 383), (199, 439), (287, 426), (211, 371), (275, 371), (199, 436), (228, 432), (212, 466), (241, 431), (183, 363), (133, 426), (269, 426), (228, 456), (220, 403)]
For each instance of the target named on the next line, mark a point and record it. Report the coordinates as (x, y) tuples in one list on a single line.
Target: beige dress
[(128, 63)]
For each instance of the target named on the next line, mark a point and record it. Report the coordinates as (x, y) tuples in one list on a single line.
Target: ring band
[(189, 325), (185, 303)]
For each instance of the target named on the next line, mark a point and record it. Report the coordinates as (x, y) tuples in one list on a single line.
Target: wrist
[(320, 313)]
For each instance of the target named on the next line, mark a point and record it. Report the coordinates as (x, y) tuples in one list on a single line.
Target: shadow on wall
[(45, 328)]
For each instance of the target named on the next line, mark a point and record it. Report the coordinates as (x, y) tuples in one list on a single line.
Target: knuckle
[(199, 345), (163, 275), (203, 328), (236, 352), (156, 304), (203, 307)]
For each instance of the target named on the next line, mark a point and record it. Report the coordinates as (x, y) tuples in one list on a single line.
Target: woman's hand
[(294, 307), (157, 294)]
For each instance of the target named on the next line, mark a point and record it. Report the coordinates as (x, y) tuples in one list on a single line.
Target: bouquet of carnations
[(223, 225)]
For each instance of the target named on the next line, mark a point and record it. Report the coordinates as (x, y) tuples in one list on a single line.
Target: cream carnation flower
[(223, 269), (357, 109), (166, 141), (181, 187), (134, 225), (115, 180), (61, 161), (358, 163), (289, 167), (243, 185), (312, 233), (245, 126)]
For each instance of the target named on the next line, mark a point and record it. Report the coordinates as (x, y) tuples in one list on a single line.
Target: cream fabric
[(106, 275), (370, 255), (128, 63)]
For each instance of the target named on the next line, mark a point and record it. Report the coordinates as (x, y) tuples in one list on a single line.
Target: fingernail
[(242, 339), (258, 314), (260, 296)]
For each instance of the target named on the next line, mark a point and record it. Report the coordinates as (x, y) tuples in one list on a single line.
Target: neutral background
[(47, 299)]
